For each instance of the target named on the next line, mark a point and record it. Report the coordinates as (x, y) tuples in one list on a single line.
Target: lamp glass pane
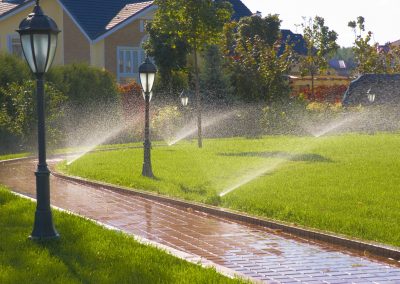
[(151, 81), (52, 52), (41, 45), (185, 101), (150, 97), (143, 80), (27, 48)]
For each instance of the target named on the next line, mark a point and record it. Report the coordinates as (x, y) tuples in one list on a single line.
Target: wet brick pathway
[(254, 251)]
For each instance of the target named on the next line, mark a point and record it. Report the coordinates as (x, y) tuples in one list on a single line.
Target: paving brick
[(258, 252)]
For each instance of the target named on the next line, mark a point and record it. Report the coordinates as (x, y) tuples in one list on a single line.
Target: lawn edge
[(192, 258), (357, 245)]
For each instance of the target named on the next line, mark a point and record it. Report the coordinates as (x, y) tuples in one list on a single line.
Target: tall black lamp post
[(371, 96), (147, 72), (38, 34), (184, 98)]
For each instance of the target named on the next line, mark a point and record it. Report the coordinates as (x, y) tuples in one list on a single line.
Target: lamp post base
[(147, 172), (43, 228), (147, 169)]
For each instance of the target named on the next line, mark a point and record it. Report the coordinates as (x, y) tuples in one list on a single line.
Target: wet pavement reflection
[(251, 250)]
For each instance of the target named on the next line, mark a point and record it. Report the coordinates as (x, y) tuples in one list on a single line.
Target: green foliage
[(259, 74), (346, 184), (265, 29), (183, 26), (368, 57), (284, 117), (169, 52), (166, 122), (84, 85), (18, 111), (215, 82), (13, 69), (321, 42), (85, 253)]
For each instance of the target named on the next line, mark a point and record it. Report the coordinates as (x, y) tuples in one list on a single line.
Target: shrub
[(328, 94), (18, 112), (13, 69), (84, 85), (166, 121)]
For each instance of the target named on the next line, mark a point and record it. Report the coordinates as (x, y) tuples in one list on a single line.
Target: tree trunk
[(198, 99), (312, 86)]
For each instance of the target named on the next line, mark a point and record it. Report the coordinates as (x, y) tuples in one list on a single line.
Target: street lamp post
[(371, 96), (184, 98), (147, 73), (38, 34)]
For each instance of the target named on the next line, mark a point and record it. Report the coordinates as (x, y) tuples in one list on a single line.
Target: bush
[(13, 69), (166, 121), (84, 85), (18, 112), (323, 94)]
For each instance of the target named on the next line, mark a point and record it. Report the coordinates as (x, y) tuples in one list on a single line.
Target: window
[(14, 45), (129, 59)]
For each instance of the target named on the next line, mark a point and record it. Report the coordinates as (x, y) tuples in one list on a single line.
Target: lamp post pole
[(147, 73), (43, 226), (147, 169), (38, 34)]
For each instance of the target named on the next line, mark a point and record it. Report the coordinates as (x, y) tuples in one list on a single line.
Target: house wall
[(128, 36), (76, 45), (97, 54), (9, 24)]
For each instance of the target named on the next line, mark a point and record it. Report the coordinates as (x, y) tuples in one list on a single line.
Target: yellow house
[(104, 33), (107, 34)]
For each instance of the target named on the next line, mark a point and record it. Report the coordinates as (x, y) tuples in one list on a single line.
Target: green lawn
[(13, 156), (347, 184), (85, 253)]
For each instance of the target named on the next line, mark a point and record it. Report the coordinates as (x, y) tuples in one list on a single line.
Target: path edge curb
[(309, 234), (192, 258)]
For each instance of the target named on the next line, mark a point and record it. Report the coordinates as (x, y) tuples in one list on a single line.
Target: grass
[(85, 253), (345, 184), (13, 156)]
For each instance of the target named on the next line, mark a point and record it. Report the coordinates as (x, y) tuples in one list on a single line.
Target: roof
[(240, 10), (386, 88), (8, 6), (297, 40), (98, 17)]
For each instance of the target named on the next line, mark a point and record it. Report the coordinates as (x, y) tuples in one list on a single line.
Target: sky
[(381, 16)]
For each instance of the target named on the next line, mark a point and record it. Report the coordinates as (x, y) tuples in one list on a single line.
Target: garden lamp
[(147, 73), (371, 96), (184, 98), (38, 34), (150, 96)]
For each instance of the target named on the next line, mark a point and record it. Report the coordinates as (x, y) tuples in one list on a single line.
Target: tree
[(195, 24), (215, 80), (365, 53), (258, 73), (320, 42), (169, 52), (370, 57), (266, 29)]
